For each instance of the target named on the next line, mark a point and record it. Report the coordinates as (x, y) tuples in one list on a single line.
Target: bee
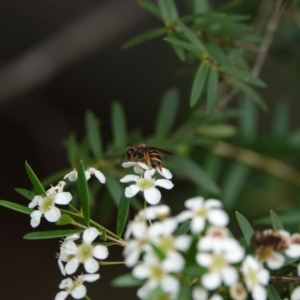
[(269, 238), (149, 155)]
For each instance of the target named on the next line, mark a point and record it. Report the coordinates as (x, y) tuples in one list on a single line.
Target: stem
[(259, 161), (284, 279), (106, 263)]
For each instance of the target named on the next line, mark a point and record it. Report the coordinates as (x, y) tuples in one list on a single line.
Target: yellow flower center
[(144, 183), (85, 251), (46, 204)]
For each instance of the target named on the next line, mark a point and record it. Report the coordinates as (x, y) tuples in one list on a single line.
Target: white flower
[(146, 184), (72, 176), (296, 294), (75, 287), (140, 168), (65, 251), (293, 249), (85, 253), (200, 211), (46, 204), (156, 275), (255, 277), (201, 294)]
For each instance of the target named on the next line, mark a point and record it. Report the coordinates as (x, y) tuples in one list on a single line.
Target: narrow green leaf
[(198, 83), (145, 36), (34, 180), (178, 50), (233, 184), (183, 228), (52, 234), (93, 134), (272, 293), (119, 126), (200, 6), (212, 87), (83, 192), (122, 216), (249, 119), (245, 227), (167, 113), (150, 8), (184, 292), (168, 11), (195, 173), (126, 280), (183, 44), (64, 219), (16, 207), (276, 223), (191, 36), (251, 93), (25, 193), (244, 75)]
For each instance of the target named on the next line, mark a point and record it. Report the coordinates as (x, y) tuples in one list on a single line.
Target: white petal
[(128, 164), (229, 276), (148, 287), (184, 216), (90, 277), (194, 203), (89, 235), (99, 175), (213, 203), (61, 295), (91, 265), (132, 258), (79, 292), (182, 242), (35, 218), (174, 262), (197, 224), (204, 259), (140, 272), (293, 250), (152, 212), (165, 173), (138, 169), (199, 294), (143, 166), (263, 276), (259, 293), (276, 261), (211, 281), (296, 294), (72, 265), (62, 198), (152, 195), (218, 217), (128, 178), (165, 183), (69, 247), (168, 226), (53, 214), (66, 283), (72, 176), (100, 252), (61, 267), (131, 191), (149, 173), (170, 284), (35, 201)]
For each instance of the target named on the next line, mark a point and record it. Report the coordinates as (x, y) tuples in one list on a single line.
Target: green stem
[(107, 263)]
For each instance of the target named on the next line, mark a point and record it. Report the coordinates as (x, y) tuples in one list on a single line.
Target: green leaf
[(122, 216), (200, 6), (198, 83), (249, 119), (93, 134), (145, 36), (150, 8), (64, 219), (244, 75), (272, 293), (167, 113), (119, 126), (191, 36), (276, 223), (182, 44), (183, 228), (216, 131), (245, 227), (184, 292), (178, 50), (212, 87), (72, 149), (250, 92), (83, 193), (16, 207), (234, 182), (126, 280), (195, 173), (34, 180), (52, 234), (25, 193), (168, 11)]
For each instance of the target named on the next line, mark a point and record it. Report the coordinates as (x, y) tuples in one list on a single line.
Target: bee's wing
[(160, 150)]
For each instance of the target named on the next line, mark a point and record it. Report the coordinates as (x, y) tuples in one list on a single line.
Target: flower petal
[(165, 183), (99, 175), (53, 214), (131, 191), (72, 176), (194, 203), (165, 173), (152, 195), (89, 235), (128, 164), (140, 271), (100, 252), (79, 292), (128, 178), (35, 218), (72, 265), (211, 280), (62, 198), (89, 277), (35, 201), (91, 265), (61, 295), (218, 217), (197, 224)]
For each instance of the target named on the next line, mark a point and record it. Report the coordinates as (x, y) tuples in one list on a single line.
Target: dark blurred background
[(58, 59)]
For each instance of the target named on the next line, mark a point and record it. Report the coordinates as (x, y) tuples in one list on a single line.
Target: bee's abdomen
[(155, 158)]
